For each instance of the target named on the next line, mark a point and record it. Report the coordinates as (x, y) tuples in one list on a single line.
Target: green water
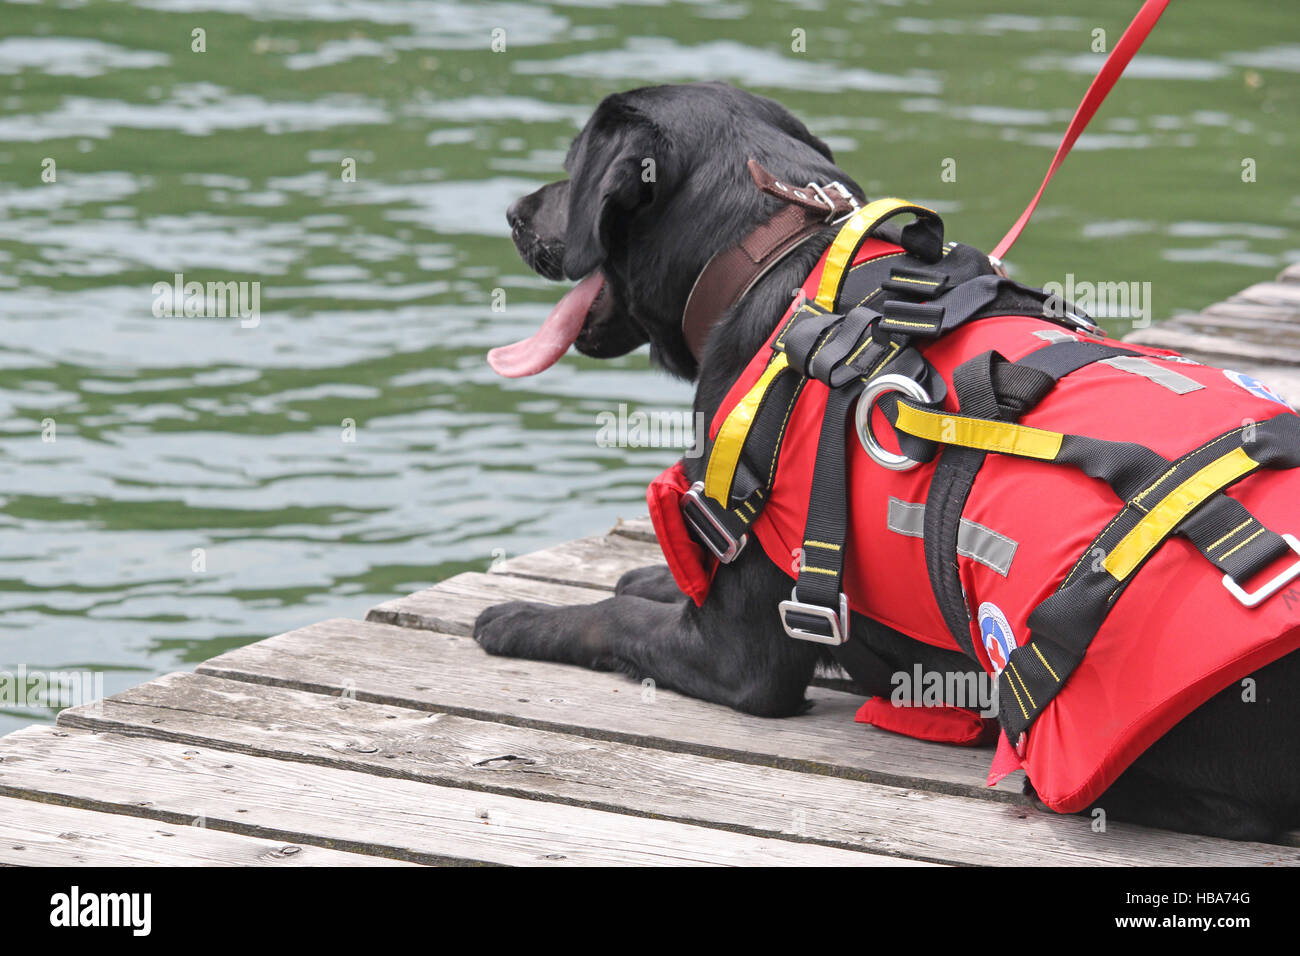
[(173, 434)]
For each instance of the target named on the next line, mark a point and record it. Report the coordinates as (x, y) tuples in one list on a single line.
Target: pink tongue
[(544, 347)]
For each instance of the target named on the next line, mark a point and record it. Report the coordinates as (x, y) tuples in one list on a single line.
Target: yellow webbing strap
[(1005, 437), (731, 436), (1158, 523), (851, 235)]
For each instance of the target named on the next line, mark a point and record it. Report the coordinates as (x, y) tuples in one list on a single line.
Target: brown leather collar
[(731, 273)]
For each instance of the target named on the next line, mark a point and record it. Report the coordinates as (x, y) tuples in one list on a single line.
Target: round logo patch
[(999, 642), (1255, 386)]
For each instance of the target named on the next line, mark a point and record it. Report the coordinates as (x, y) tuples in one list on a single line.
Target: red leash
[(1124, 50)]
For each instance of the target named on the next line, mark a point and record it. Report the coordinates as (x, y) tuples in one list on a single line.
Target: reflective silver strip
[(1056, 335), (1169, 378), (994, 551), (906, 517)]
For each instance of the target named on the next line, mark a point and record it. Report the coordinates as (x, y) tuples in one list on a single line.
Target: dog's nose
[(513, 215)]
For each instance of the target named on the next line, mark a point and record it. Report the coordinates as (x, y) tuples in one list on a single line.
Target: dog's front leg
[(732, 651)]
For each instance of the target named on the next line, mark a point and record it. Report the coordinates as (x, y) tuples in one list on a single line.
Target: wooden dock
[(1257, 332), (396, 740)]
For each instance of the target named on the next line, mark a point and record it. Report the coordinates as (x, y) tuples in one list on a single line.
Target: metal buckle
[(840, 188), (862, 418), (704, 533), (1268, 590), (839, 624), (1084, 324)]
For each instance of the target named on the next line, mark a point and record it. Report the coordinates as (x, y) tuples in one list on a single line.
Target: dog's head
[(657, 185)]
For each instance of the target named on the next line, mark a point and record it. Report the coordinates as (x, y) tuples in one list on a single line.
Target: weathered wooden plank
[(638, 529), (1281, 294), (451, 606), (1216, 349), (1257, 329), (445, 749), (1216, 338), (589, 562), (1274, 317), (33, 833), (365, 813), (1251, 330), (425, 670)]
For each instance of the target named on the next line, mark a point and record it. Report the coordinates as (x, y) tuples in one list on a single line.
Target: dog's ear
[(614, 172)]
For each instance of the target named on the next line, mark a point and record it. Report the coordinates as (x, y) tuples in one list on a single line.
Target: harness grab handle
[(922, 238)]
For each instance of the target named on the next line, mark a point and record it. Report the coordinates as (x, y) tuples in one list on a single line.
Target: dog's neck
[(735, 270)]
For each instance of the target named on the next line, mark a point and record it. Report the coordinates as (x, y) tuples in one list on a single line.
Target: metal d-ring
[(877, 387)]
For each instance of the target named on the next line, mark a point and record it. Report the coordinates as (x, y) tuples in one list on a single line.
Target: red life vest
[(1174, 636)]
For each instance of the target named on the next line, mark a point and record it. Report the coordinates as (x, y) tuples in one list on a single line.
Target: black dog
[(638, 241)]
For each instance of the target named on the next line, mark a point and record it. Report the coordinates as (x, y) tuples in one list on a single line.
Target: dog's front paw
[(503, 628), (577, 634)]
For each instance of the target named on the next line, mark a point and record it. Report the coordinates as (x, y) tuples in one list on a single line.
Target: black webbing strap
[(1061, 358), (931, 281), (821, 572), (837, 354), (1232, 538), (807, 328), (913, 319), (967, 300), (950, 487), (825, 530), (1063, 625), (983, 384), (837, 362), (818, 587)]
